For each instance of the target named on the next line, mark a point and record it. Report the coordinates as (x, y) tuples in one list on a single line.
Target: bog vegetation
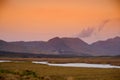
[(29, 71)]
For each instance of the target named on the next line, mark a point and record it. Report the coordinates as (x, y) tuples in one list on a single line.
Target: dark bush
[(29, 73)]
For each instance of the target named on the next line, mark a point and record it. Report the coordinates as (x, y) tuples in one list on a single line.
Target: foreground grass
[(29, 71)]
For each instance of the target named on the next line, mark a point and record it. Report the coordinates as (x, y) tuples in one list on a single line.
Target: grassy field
[(96, 60), (29, 71)]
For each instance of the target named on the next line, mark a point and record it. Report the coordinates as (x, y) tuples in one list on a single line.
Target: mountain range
[(64, 46)]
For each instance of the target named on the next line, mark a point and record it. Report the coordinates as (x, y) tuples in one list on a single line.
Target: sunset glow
[(30, 20)]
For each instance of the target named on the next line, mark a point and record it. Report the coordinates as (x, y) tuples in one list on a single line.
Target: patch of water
[(78, 65), (87, 65), (5, 61)]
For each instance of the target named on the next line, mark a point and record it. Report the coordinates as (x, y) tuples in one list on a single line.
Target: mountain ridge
[(69, 46)]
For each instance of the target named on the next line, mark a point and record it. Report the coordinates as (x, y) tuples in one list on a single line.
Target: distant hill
[(7, 46), (71, 46), (64, 46), (108, 47)]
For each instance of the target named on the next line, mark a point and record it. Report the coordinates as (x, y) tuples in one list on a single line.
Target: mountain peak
[(108, 47), (2, 42), (117, 37), (54, 39)]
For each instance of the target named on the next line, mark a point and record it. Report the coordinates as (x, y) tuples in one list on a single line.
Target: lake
[(78, 65), (5, 61), (84, 65)]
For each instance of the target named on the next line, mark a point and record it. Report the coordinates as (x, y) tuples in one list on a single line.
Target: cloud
[(86, 32), (102, 25)]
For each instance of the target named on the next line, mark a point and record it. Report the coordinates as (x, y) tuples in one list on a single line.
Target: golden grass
[(18, 71), (98, 60)]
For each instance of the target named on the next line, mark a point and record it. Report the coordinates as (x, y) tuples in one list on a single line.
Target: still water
[(84, 65), (78, 65)]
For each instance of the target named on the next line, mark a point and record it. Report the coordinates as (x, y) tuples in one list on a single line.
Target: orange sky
[(90, 20)]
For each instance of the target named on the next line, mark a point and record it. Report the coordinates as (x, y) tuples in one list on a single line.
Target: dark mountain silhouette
[(7, 46), (70, 46), (64, 46), (77, 45), (108, 47)]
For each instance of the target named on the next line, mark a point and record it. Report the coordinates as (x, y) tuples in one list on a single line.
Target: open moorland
[(95, 60), (29, 71), (25, 70)]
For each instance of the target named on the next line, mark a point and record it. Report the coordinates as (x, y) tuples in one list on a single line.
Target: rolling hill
[(64, 46)]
